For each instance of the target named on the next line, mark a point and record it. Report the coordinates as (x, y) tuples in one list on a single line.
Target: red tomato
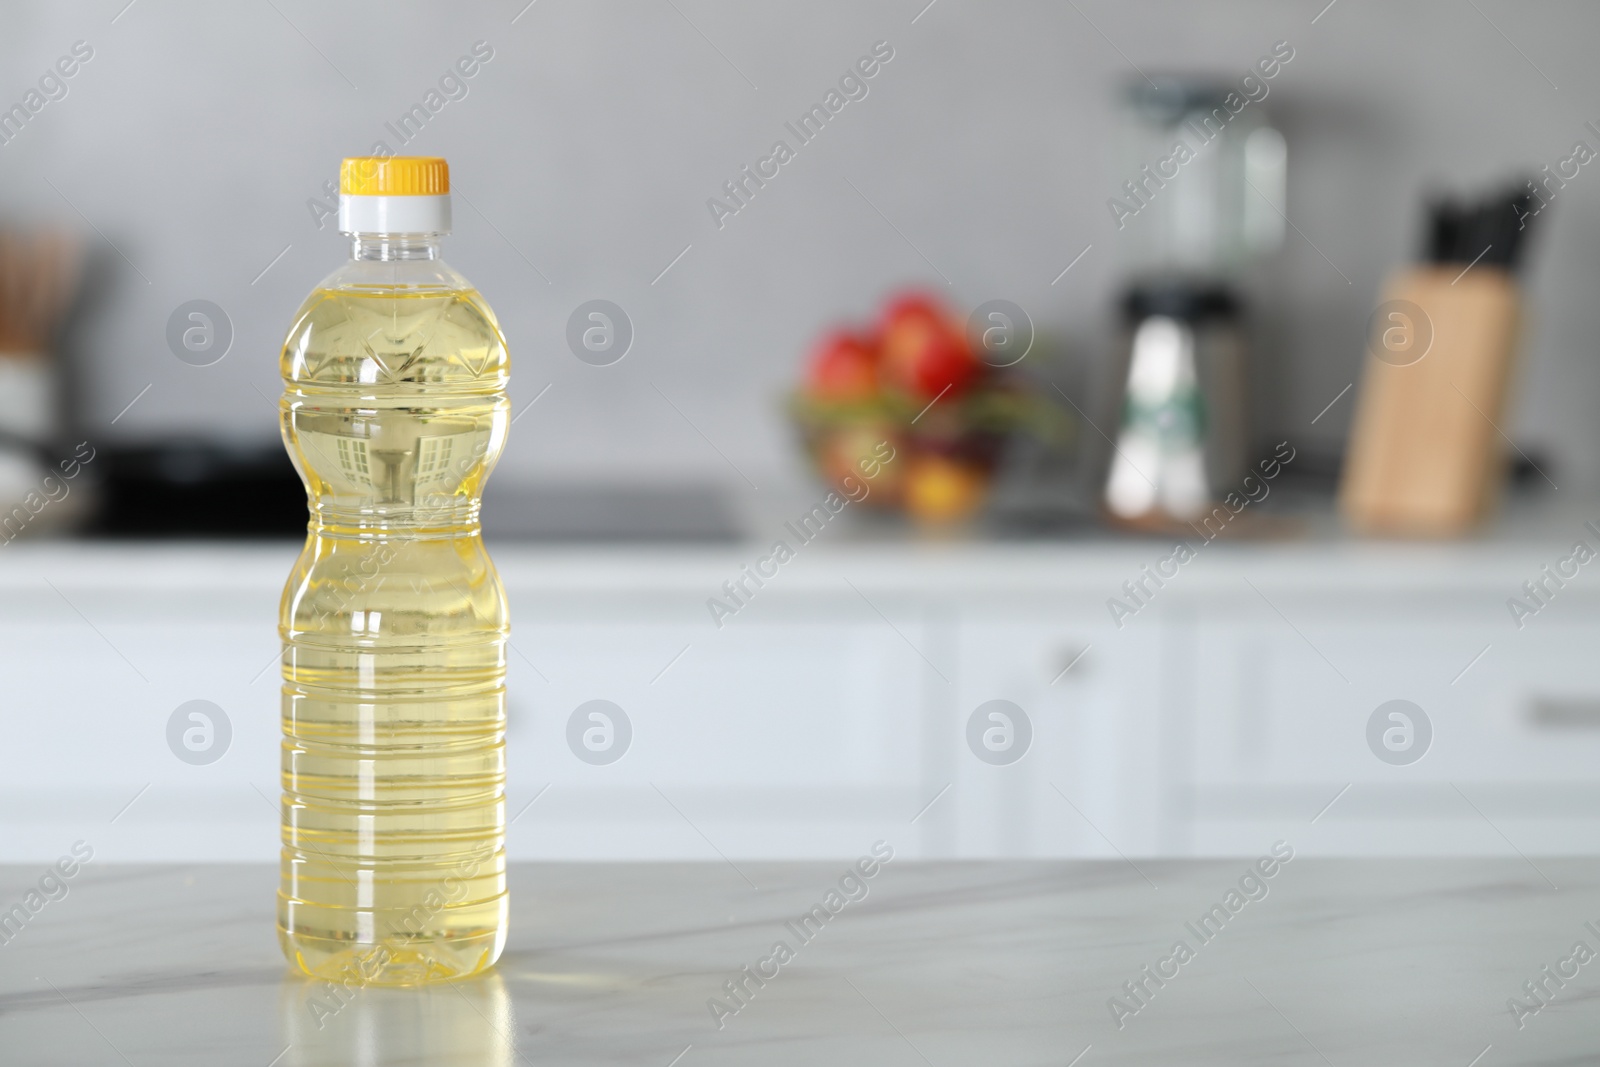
[(844, 367), (924, 351)]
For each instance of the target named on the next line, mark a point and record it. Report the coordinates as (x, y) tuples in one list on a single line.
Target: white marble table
[(1343, 962)]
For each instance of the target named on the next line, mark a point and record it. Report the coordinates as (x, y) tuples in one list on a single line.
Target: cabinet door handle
[(1565, 713)]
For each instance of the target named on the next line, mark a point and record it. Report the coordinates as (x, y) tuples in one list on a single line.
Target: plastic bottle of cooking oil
[(394, 622)]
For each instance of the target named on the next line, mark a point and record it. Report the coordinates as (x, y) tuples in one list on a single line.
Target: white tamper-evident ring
[(394, 214)]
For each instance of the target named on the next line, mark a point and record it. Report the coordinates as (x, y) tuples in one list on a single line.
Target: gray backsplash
[(980, 160)]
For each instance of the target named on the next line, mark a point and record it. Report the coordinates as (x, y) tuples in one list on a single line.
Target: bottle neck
[(387, 247)]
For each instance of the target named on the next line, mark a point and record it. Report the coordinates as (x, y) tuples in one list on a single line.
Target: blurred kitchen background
[(188, 158)]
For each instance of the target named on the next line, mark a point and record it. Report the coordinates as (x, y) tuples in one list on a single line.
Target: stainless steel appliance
[(1203, 200)]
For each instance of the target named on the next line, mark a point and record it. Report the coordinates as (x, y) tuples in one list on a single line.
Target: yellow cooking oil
[(394, 622)]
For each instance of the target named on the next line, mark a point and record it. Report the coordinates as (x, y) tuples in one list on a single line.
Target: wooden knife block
[(1425, 457)]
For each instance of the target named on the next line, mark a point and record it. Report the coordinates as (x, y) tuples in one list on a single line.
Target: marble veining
[(1339, 962)]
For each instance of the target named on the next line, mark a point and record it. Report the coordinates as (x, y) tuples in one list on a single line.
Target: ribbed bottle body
[(394, 627)]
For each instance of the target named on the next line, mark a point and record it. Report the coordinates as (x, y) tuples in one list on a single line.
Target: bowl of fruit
[(916, 382)]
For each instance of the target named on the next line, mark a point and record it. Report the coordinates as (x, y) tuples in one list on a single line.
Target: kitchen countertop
[(1499, 563), (1340, 962), (1298, 546)]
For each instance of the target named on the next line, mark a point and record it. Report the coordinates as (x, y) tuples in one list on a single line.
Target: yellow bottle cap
[(394, 176)]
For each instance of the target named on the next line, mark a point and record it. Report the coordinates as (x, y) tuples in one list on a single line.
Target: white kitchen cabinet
[(95, 665), (787, 733), (1089, 784), (833, 710), (1283, 703)]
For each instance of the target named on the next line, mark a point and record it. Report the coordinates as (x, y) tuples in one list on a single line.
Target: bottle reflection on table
[(468, 1022)]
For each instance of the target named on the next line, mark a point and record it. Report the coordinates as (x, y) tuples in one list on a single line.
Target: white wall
[(591, 141)]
